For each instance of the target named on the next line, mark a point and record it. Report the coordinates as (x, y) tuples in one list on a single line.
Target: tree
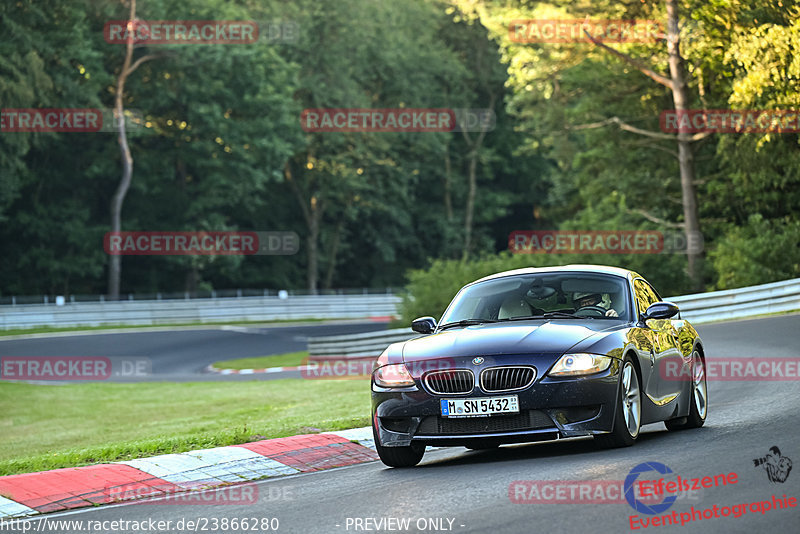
[(128, 67), (677, 84)]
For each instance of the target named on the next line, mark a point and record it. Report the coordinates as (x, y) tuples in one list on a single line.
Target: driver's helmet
[(583, 299)]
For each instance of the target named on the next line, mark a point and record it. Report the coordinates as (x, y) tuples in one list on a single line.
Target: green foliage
[(221, 130), (759, 252)]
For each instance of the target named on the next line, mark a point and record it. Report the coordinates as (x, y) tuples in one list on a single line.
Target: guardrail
[(158, 312), (740, 303), (356, 346), (60, 300), (699, 308)]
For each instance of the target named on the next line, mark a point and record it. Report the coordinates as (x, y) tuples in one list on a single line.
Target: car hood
[(529, 337)]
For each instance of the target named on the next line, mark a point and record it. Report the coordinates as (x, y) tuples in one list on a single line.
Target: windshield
[(581, 295)]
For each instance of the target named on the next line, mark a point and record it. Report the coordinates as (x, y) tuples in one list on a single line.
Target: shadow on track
[(649, 440)]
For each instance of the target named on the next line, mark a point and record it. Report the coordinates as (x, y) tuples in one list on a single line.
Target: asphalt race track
[(455, 490), (183, 355)]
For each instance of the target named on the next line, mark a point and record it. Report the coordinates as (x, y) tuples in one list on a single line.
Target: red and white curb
[(339, 368), (216, 370), (62, 489)]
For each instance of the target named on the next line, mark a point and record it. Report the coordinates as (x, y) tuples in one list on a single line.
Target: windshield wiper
[(549, 315), (565, 314), (466, 322)]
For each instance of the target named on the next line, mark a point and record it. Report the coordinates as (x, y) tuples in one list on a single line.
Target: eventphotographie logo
[(777, 466), (638, 504)]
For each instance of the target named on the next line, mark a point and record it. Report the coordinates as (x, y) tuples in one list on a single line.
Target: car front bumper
[(551, 408)]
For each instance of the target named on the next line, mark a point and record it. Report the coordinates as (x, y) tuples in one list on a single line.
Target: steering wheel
[(592, 311)]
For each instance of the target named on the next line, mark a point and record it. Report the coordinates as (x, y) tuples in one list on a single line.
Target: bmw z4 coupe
[(540, 354)]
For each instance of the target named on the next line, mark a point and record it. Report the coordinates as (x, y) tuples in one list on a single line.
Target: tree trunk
[(470, 208), (191, 280), (448, 200), (115, 261), (677, 85), (685, 156), (312, 247), (312, 214), (472, 176), (334, 250)]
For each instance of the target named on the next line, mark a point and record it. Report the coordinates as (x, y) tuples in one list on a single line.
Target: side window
[(654, 292), (645, 296)]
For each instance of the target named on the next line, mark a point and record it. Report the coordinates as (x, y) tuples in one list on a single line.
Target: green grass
[(48, 427), (52, 329), (289, 359)]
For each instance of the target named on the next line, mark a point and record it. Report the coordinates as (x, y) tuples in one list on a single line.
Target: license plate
[(479, 407)]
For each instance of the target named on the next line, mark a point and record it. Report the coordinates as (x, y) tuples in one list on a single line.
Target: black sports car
[(540, 354)]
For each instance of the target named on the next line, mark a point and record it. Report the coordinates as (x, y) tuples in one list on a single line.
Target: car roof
[(575, 268)]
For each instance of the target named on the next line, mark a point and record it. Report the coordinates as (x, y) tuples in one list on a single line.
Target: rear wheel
[(408, 456), (699, 405), (628, 414)]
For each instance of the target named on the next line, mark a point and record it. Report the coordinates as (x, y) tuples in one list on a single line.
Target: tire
[(698, 410), (628, 411), (399, 456)]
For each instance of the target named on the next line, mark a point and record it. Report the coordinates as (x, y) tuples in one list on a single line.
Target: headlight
[(580, 364), (392, 376)]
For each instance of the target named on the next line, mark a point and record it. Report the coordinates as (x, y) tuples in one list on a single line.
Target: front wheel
[(408, 456), (628, 414), (699, 404)]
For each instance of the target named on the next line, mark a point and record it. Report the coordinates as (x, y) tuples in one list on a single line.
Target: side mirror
[(661, 310), (424, 325)]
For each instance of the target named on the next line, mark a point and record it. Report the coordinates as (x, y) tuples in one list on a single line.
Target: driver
[(583, 300)]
